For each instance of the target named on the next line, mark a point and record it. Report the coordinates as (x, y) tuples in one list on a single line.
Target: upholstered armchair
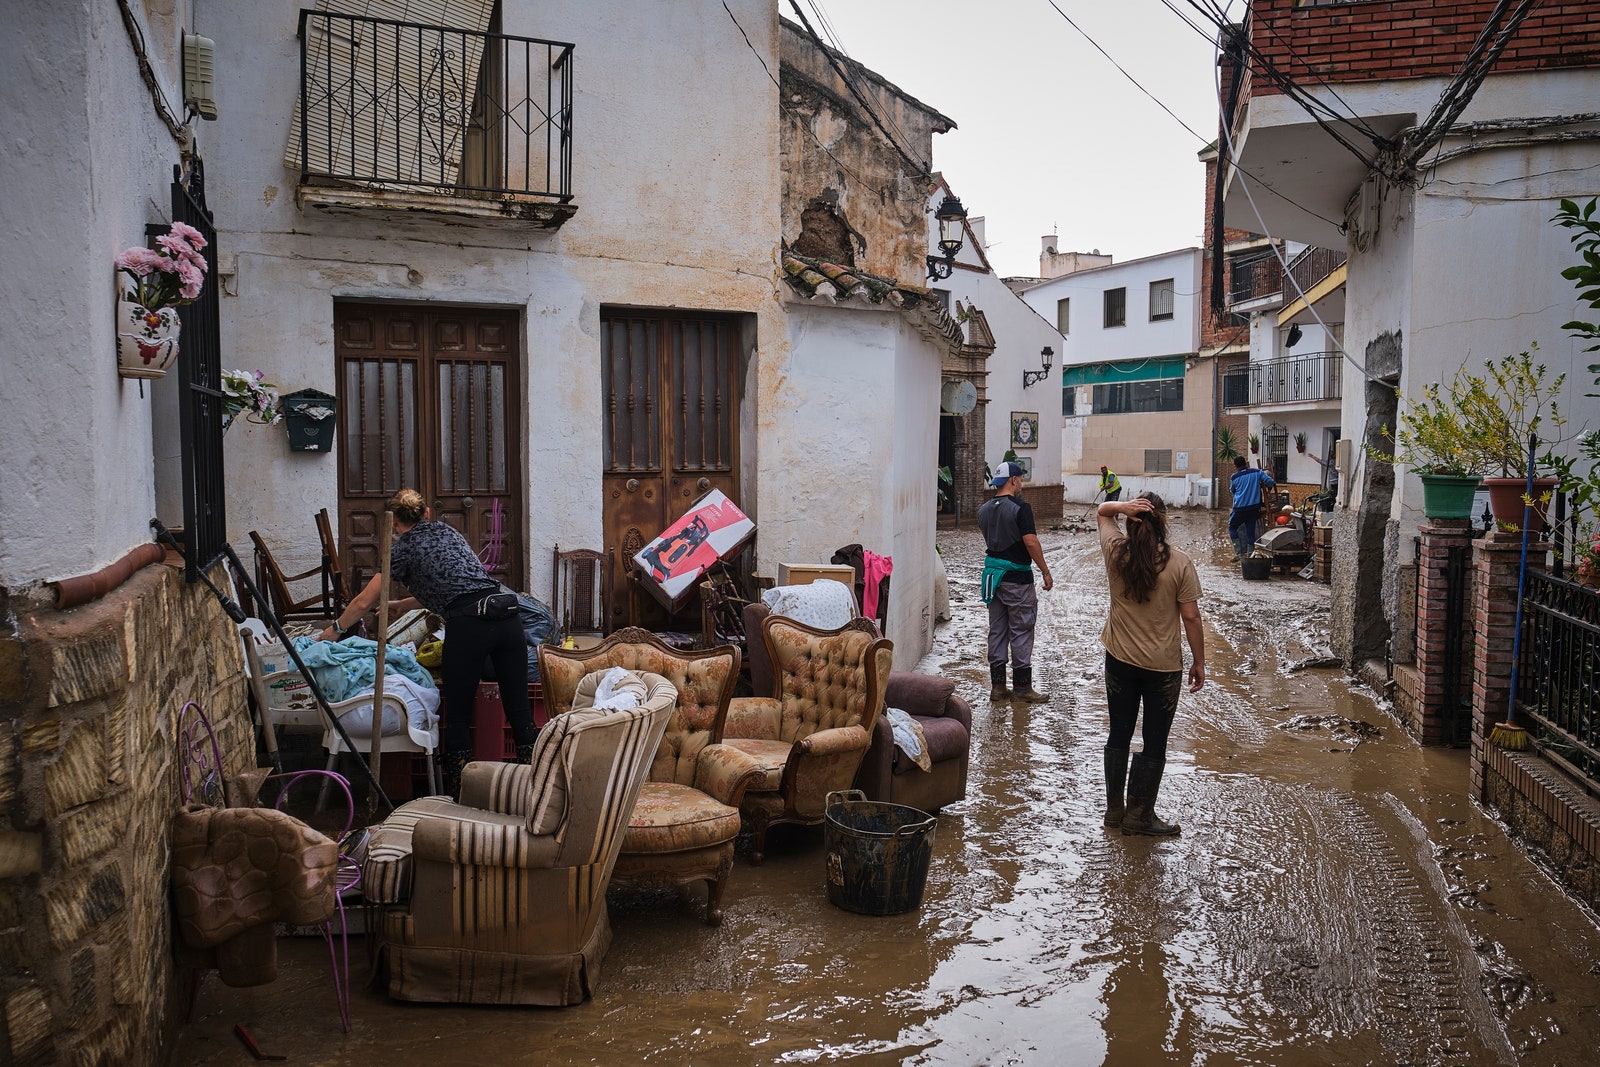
[(889, 775), (683, 828), (500, 898), (810, 735)]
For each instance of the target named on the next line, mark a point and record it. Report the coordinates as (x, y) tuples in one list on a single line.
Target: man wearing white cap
[(1013, 549)]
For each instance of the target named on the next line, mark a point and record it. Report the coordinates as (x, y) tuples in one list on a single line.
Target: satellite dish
[(958, 397)]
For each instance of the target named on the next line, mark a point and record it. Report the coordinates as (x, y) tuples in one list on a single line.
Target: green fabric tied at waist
[(994, 569)]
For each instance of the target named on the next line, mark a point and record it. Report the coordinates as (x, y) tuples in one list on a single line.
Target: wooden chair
[(335, 576), (275, 585), (581, 592)]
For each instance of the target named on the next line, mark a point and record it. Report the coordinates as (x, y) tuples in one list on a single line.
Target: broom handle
[(1522, 581)]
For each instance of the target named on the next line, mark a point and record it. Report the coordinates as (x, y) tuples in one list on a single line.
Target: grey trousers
[(1012, 614)]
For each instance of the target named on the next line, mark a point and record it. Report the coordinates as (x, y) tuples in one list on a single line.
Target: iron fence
[(1558, 674), (1312, 265), (1296, 379), (1251, 279), (461, 112), (200, 404)]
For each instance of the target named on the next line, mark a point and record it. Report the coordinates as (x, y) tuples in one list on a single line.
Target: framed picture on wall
[(1026, 463), (1024, 429)]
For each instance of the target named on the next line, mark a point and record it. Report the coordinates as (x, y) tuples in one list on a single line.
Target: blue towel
[(344, 668)]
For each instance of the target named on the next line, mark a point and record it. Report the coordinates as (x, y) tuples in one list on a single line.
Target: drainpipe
[(70, 592), (1216, 423)]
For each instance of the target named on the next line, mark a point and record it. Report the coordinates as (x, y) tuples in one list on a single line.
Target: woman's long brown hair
[(1143, 556)]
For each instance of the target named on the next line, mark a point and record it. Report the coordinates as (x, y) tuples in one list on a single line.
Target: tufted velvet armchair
[(810, 736), (684, 825)]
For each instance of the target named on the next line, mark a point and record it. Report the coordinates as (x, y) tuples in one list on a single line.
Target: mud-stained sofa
[(686, 821), (809, 738), (500, 898)]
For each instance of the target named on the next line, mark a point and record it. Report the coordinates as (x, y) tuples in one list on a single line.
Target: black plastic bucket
[(878, 854), (1256, 568)]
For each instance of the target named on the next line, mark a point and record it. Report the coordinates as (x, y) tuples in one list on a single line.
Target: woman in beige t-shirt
[(1154, 591)]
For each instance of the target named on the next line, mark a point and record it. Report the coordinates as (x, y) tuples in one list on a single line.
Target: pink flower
[(179, 251), (193, 279), (141, 261), (190, 234)]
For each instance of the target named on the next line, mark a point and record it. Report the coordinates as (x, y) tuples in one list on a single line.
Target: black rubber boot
[(1144, 783), (1022, 686), (454, 764), (997, 682), (1116, 778)]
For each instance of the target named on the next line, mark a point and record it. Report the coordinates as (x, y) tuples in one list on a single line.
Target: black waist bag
[(496, 606)]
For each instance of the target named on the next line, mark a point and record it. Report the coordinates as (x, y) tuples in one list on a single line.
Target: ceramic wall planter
[(1505, 499), (1448, 496), (147, 341)]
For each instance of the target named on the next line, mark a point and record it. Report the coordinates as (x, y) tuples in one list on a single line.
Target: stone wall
[(89, 700)]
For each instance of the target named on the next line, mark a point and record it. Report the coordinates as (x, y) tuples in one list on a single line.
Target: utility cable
[(838, 46)]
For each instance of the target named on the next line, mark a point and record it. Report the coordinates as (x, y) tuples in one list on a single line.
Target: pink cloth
[(874, 569)]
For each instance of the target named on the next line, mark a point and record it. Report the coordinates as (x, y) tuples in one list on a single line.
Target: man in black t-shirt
[(1013, 544)]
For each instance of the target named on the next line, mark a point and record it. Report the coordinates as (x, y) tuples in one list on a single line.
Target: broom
[(1510, 734)]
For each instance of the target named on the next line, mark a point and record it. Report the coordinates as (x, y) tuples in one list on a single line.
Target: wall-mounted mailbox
[(308, 416)]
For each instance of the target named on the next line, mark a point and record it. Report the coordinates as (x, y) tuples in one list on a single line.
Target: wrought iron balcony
[(1312, 265), (1255, 278), (405, 107), (1295, 380)]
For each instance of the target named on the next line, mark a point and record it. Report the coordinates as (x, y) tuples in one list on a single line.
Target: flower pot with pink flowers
[(157, 281)]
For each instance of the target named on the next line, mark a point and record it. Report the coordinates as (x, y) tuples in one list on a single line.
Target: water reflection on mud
[(1334, 897)]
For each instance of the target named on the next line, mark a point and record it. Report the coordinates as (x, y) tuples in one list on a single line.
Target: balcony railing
[(1255, 278), (1312, 265), (458, 112), (1297, 380)]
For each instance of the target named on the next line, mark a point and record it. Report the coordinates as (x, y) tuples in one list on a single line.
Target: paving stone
[(28, 1022), (79, 774), (83, 902)]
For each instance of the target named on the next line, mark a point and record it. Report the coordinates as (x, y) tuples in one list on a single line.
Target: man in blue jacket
[(1247, 483)]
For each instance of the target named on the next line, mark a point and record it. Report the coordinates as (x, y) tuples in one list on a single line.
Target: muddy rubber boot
[(1022, 686), (454, 763), (1144, 783), (997, 682), (1116, 778)]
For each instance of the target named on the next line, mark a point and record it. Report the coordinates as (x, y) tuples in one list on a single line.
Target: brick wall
[(1428, 710), (1380, 40), (89, 700)]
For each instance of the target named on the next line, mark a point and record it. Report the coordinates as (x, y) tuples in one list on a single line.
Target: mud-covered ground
[(1334, 897)]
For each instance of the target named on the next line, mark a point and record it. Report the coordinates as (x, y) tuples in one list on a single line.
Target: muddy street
[(1334, 897)]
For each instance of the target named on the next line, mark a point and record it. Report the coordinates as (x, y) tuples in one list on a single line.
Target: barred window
[(1116, 307), (1161, 294)]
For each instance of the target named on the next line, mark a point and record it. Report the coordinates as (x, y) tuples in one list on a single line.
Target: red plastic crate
[(491, 734)]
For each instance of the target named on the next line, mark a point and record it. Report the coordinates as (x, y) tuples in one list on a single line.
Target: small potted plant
[(1255, 444), (1436, 443), (1300, 443), (158, 281), (1513, 398)]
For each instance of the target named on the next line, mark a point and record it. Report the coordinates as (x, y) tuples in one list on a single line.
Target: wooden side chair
[(581, 592), (334, 578), (275, 585)]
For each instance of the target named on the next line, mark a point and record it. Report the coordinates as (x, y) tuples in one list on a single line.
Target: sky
[(1050, 138)]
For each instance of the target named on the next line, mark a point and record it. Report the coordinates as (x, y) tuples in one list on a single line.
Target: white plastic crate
[(280, 689)]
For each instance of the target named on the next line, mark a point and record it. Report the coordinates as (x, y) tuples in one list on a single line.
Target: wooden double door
[(670, 392), (428, 400)]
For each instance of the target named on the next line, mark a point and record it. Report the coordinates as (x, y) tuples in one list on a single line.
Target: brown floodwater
[(1334, 898)]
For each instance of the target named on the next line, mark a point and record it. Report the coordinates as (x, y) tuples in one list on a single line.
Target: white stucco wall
[(852, 449), (87, 164), (678, 206), (1088, 340), (1019, 333)]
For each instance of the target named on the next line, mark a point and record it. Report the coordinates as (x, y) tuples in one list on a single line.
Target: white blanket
[(825, 604), (618, 691)]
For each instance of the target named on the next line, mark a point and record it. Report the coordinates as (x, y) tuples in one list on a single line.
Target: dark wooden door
[(427, 400), (670, 385)]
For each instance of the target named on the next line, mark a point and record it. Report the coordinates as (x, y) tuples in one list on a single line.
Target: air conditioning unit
[(199, 75)]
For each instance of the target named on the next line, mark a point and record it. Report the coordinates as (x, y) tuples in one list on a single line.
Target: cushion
[(677, 818), (547, 805), (919, 694), (772, 755), (825, 604), (946, 738), (386, 871)]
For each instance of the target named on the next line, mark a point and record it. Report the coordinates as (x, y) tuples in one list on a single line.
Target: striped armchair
[(500, 899)]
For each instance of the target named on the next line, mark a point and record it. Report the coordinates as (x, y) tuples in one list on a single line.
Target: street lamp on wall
[(1032, 377), (952, 219)]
